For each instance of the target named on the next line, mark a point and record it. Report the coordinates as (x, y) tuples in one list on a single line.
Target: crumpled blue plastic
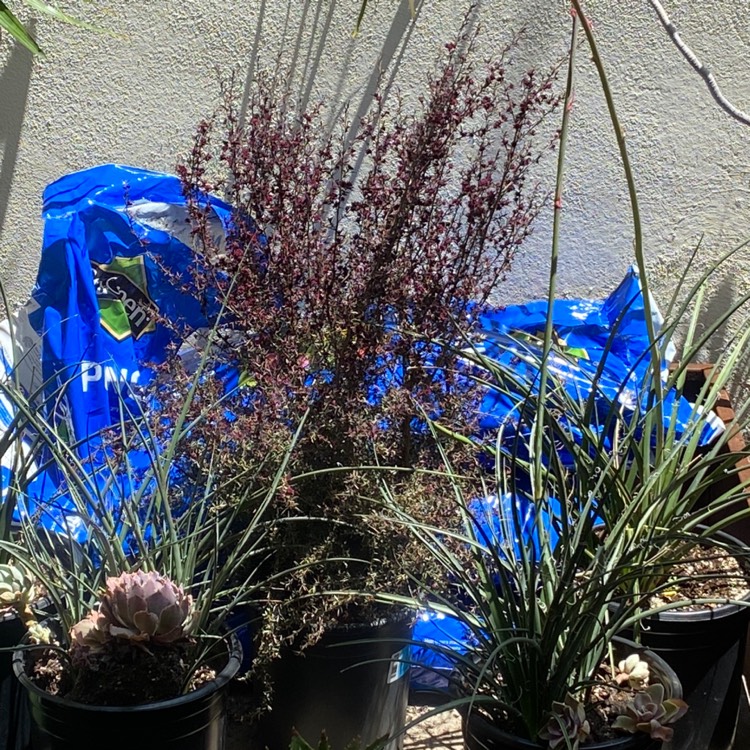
[(115, 250)]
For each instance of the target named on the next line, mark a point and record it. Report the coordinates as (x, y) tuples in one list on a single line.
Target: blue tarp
[(113, 293)]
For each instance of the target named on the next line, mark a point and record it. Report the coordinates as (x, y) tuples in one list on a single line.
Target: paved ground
[(440, 731)]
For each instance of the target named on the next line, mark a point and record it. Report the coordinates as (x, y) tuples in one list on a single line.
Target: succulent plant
[(649, 712), (39, 633), (633, 671), (567, 726), (90, 634), (16, 588), (138, 607), (17, 592), (145, 607)]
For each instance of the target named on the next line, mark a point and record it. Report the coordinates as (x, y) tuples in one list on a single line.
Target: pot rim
[(631, 742), (230, 669), (706, 613)]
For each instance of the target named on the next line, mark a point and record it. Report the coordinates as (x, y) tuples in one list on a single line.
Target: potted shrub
[(132, 658), (142, 584), (684, 488), (346, 259), (542, 665), (582, 482), (594, 511), (644, 505)]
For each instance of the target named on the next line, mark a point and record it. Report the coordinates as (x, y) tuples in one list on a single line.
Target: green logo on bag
[(125, 308)]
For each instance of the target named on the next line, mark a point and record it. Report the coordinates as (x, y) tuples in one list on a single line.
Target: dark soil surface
[(123, 676)]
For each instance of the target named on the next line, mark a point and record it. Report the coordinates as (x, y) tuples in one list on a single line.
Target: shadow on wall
[(14, 89), (720, 301), (307, 46)]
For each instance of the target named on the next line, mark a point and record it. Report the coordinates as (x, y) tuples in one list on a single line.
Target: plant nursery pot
[(696, 376), (195, 721), (481, 734), (15, 721), (706, 648), (351, 684)]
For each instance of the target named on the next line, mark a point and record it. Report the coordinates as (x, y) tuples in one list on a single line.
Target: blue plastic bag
[(115, 268), (114, 265)]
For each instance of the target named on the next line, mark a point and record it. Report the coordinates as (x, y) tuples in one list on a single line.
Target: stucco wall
[(135, 99)]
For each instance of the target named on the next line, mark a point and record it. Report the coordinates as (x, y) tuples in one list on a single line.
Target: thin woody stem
[(703, 71), (552, 291), (655, 400)]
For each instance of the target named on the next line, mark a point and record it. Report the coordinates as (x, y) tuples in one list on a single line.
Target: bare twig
[(703, 71)]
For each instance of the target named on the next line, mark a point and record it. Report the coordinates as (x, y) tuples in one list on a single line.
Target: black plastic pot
[(191, 722), (706, 648), (351, 684), (15, 722), (481, 734)]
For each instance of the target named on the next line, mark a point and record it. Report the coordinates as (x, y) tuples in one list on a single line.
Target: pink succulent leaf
[(146, 622), (658, 731), (675, 709), (149, 582), (91, 632), (648, 712), (625, 723), (135, 604), (161, 599), (567, 725), (127, 633), (171, 617)]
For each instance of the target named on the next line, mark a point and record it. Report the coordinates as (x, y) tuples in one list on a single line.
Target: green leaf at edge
[(58, 15), (16, 29)]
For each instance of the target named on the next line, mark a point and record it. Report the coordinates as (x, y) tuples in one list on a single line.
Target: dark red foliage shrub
[(351, 263)]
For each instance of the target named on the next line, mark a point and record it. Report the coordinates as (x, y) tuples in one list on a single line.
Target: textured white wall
[(135, 99)]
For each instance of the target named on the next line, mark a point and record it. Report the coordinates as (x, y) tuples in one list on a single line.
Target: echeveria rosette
[(146, 607), (17, 593), (567, 726), (16, 588), (142, 608), (649, 712), (633, 671)]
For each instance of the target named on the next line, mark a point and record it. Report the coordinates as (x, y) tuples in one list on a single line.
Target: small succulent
[(649, 712), (89, 635), (17, 592), (16, 588), (137, 607), (39, 633), (567, 726), (146, 607), (633, 671)]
